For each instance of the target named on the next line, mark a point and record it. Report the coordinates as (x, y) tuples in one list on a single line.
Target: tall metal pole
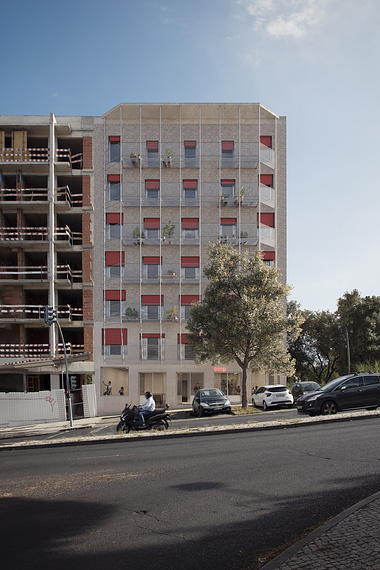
[(67, 376)]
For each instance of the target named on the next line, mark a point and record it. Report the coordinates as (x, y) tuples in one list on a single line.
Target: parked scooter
[(129, 419)]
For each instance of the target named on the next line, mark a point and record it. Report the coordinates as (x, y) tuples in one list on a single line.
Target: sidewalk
[(349, 541)]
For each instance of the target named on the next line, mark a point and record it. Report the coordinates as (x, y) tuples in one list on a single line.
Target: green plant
[(169, 151), (172, 313), (136, 233), (134, 155), (168, 230), (243, 234), (131, 313)]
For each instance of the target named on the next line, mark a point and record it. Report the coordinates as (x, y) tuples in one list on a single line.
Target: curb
[(292, 550), (94, 440)]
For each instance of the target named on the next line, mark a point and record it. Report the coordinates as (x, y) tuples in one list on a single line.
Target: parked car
[(210, 401), (359, 390), (300, 388), (271, 396)]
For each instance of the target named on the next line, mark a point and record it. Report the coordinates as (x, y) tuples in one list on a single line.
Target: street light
[(50, 317)]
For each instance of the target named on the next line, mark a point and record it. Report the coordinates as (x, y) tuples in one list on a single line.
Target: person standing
[(108, 390)]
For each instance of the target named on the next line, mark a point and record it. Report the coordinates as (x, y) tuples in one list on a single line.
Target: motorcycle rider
[(146, 408)]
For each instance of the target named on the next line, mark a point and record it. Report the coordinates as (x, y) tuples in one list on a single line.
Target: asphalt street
[(221, 501)]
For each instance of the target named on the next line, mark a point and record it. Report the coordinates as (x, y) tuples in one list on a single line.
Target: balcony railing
[(24, 194), (17, 350), (65, 273), (63, 194), (36, 312), (41, 155), (66, 235), (36, 272), (24, 234)]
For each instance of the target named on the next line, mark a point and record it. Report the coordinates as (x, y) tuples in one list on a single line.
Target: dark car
[(210, 401), (359, 390), (300, 388)]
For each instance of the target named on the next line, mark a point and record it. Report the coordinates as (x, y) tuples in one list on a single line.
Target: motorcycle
[(129, 419)]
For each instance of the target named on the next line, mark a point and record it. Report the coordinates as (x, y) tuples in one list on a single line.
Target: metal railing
[(24, 234), (24, 194), (38, 272), (63, 194), (37, 312), (65, 234)]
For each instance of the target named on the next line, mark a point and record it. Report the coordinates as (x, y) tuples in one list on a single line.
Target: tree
[(242, 315), (360, 323), (316, 351)]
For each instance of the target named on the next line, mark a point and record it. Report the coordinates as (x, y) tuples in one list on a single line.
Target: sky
[(316, 62)]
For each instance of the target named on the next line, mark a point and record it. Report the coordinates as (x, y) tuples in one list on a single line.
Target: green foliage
[(333, 344), (242, 315), (168, 229)]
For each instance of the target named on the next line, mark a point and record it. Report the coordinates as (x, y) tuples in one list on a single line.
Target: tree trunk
[(244, 387)]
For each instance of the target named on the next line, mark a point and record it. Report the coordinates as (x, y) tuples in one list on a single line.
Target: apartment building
[(46, 252), (108, 219), (168, 180)]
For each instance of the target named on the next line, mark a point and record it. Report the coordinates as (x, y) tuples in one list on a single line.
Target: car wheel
[(329, 408), (265, 407), (371, 408), (200, 412), (254, 404)]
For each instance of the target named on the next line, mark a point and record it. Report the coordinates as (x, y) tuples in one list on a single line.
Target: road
[(215, 501)]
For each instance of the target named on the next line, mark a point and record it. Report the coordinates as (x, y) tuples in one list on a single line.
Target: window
[(228, 227), (266, 219), (152, 227), (114, 342), (190, 267), (228, 382), (114, 264), (190, 228), (186, 302), (152, 267), (114, 187), (152, 189), (151, 307), (269, 257), (114, 227), (114, 149), (190, 154), (153, 382), (369, 380), (266, 179), (152, 347), (266, 141), (227, 154), (190, 189), (114, 302), (185, 352), (152, 153), (227, 188)]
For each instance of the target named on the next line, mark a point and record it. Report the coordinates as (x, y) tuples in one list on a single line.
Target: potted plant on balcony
[(131, 313), (243, 235), (239, 195), (167, 158), (135, 157), (137, 236), (167, 231), (172, 313), (224, 198)]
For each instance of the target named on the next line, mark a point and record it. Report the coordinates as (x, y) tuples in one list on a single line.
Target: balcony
[(66, 236), (267, 195), (62, 156), (23, 273), (267, 235)]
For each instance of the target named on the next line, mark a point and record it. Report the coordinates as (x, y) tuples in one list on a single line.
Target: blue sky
[(315, 61)]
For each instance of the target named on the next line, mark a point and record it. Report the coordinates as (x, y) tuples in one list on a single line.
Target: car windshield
[(276, 389), (333, 384), (214, 393), (311, 386)]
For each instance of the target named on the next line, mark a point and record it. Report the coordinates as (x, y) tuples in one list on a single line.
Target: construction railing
[(25, 312), (63, 194), (65, 234), (24, 194), (24, 234), (23, 272)]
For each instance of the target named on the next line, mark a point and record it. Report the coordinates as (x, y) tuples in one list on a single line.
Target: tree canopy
[(242, 315), (333, 344)]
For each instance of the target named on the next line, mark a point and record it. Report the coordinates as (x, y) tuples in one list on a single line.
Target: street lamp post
[(50, 318)]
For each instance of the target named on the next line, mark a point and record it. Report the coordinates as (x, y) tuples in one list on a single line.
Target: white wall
[(18, 408)]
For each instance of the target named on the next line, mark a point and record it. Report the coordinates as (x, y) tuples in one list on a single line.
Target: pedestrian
[(108, 390), (196, 387), (121, 391)]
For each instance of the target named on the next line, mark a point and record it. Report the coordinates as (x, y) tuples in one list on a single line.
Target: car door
[(371, 390), (350, 393), (258, 397)]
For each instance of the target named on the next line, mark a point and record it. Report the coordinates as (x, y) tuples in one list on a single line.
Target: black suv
[(359, 390), (300, 388)]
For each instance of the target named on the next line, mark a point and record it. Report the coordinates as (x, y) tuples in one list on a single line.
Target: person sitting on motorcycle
[(146, 408)]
